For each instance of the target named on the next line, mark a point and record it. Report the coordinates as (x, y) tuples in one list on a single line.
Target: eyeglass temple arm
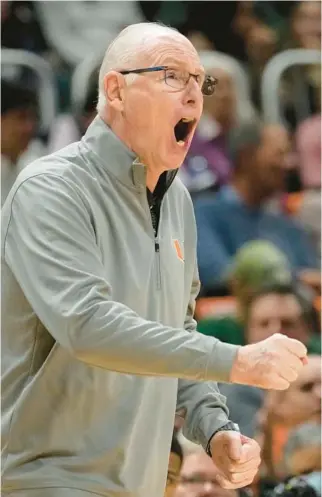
[(145, 69)]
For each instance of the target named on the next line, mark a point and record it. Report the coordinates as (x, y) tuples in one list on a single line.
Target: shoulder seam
[(21, 184)]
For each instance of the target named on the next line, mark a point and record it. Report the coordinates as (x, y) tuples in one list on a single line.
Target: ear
[(114, 85)]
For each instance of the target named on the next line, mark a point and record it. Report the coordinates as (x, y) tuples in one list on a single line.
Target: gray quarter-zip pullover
[(97, 325)]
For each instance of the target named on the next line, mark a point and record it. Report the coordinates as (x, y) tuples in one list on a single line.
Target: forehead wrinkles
[(176, 52)]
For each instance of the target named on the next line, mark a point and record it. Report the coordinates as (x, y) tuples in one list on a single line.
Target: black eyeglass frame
[(208, 86)]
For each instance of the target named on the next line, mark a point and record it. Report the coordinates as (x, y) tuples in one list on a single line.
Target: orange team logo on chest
[(178, 248)]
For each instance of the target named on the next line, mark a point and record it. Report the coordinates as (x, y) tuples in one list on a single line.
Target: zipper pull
[(157, 247)]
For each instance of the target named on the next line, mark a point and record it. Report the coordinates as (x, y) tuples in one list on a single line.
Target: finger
[(297, 348), (227, 484), (243, 479), (245, 468), (278, 383), (249, 465), (229, 467), (250, 451), (233, 446), (295, 362), (225, 464), (288, 374)]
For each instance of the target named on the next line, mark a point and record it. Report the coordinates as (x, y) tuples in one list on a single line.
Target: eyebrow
[(175, 64)]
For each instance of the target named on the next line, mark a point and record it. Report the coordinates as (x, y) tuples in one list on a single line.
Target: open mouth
[(182, 129)]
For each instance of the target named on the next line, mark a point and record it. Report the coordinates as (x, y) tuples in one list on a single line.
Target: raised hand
[(273, 363)]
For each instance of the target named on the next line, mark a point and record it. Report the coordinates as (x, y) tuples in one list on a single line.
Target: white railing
[(271, 79)]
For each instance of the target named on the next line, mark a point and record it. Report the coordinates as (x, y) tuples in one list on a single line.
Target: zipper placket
[(156, 237), (158, 262), (155, 226)]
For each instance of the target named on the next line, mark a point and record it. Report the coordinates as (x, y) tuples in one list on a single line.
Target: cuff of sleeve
[(229, 426), (221, 361), (209, 425)]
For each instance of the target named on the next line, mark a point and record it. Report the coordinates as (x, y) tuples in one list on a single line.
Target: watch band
[(230, 426)]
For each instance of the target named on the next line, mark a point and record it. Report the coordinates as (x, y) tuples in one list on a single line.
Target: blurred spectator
[(200, 41), (275, 309), (305, 25), (308, 216), (308, 146), (282, 309), (237, 213), (20, 27), (256, 263), (80, 29), (284, 410), (19, 120), (299, 81), (300, 486), (199, 478), (175, 463), (217, 21), (261, 46), (208, 163), (302, 452), (68, 128)]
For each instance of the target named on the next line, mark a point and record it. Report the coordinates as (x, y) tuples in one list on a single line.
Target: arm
[(205, 407), (50, 246), (213, 258)]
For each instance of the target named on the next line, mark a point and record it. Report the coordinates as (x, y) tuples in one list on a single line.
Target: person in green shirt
[(268, 301)]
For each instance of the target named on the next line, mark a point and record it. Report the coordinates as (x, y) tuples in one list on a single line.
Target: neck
[(153, 173), (253, 197), (152, 178)]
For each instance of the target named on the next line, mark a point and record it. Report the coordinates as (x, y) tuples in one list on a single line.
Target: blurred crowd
[(255, 184)]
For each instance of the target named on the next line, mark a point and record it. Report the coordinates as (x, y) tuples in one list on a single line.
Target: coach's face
[(155, 102)]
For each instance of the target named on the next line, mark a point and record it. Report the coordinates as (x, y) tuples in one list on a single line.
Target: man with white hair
[(99, 284)]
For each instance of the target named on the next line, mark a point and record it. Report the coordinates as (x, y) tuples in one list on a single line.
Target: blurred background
[(253, 171)]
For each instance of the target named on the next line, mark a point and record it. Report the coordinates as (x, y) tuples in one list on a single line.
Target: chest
[(145, 267)]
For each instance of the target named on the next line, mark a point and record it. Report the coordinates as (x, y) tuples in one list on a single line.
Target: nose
[(274, 326), (193, 95)]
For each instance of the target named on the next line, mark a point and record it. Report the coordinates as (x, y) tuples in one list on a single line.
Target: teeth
[(187, 119), (181, 143)]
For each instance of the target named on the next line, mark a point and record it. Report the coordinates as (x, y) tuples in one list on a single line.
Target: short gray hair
[(127, 49)]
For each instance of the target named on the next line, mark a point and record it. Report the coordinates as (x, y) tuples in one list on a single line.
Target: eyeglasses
[(179, 79)]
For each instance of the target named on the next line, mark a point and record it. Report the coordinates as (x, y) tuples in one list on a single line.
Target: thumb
[(234, 445)]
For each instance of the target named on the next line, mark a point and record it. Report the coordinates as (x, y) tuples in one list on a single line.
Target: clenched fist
[(273, 363), (237, 458)]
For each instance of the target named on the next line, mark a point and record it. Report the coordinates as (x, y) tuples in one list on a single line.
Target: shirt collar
[(110, 152)]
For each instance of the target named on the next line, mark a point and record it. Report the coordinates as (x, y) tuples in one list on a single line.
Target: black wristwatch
[(230, 426)]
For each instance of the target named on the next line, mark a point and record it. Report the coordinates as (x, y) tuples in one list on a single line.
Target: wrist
[(240, 371), (230, 426)]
